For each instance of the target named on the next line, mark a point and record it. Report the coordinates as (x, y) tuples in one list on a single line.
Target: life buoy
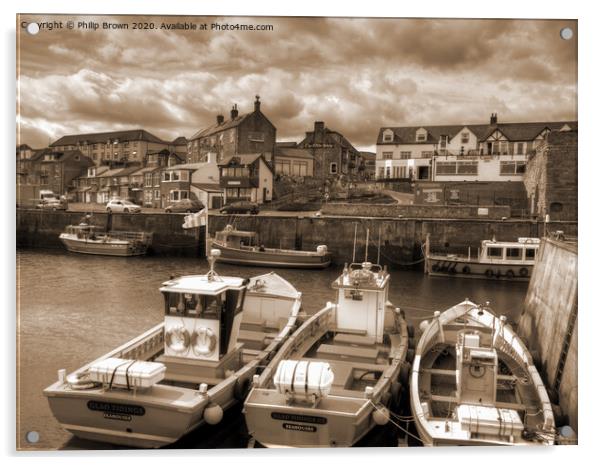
[(452, 270), (466, 269), (489, 273), (203, 341), (177, 338), (510, 274), (524, 272)]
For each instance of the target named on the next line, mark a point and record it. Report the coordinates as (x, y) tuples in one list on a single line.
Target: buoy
[(213, 414), (423, 325), (381, 416)]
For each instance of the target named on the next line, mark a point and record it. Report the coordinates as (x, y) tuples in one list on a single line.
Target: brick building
[(333, 154), (292, 161), (118, 146), (250, 132), (551, 177)]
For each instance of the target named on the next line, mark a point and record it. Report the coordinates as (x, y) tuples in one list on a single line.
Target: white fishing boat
[(217, 333), (89, 239), (243, 248), (473, 382), (338, 375), (493, 260)]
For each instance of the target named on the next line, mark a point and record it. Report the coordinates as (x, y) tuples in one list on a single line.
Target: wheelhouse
[(522, 252)]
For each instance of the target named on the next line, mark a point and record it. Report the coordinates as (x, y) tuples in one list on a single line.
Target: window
[(464, 138), (421, 135), (514, 253), (256, 137), (494, 252), (520, 148), (556, 207), (530, 254), (426, 154), (405, 155), (511, 168), (468, 167), (386, 156), (446, 167), (299, 168), (157, 194), (178, 195), (443, 142), (388, 136), (333, 168)]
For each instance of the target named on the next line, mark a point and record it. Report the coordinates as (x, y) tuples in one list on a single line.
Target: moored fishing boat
[(473, 382), (493, 260), (90, 239), (242, 248), (217, 333), (336, 377)]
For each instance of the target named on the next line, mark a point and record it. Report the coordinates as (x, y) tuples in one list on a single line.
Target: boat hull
[(268, 258), (92, 416), (340, 419), (463, 268), (111, 248)]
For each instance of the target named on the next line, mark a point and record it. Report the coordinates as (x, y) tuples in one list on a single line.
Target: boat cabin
[(521, 252), (234, 239), (362, 297), (202, 315), (84, 231)]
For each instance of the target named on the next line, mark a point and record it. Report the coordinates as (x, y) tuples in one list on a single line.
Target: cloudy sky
[(355, 74)]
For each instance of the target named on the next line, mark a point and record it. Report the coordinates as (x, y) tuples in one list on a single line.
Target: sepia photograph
[(295, 232)]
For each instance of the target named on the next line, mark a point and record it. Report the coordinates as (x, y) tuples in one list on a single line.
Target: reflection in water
[(74, 308)]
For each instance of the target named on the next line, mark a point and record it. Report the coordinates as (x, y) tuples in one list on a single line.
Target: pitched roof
[(327, 136), (102, 137), (180, 141), (189, 166), (23, 147), (243, 159), (292, 153), (62, 156), (512, 131), (208, 187), (216, 128)]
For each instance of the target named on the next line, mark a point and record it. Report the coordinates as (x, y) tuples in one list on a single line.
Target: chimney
[(318, 126), (257, 103), (234, 112), (220, 119), (493, 119)]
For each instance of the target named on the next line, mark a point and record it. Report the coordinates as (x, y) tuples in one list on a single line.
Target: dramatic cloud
[(355, 74)]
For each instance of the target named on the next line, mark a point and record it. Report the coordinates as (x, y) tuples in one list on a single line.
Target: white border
[(589, 231)]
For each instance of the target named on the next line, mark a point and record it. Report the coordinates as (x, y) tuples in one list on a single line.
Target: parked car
[(184, 206), (242, 206), (123, 206), (52, 204)]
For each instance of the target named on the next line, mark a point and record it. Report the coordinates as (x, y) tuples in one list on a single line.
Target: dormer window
[(443, 141), (388, 136), (421, 135)]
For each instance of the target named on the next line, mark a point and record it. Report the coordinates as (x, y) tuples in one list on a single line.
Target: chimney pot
[(318, 126), (234, 112), (220, 119), (493, 119)]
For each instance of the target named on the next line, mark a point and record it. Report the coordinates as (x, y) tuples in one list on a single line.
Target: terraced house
[(244, 133), (117, 146), (476, 152)]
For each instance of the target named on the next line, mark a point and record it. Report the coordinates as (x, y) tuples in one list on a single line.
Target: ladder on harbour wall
[(566, 343)]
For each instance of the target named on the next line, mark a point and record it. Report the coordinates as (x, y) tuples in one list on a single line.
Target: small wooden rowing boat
[(473, 382)]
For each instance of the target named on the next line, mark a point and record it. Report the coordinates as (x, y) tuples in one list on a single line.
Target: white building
[(476, 152)]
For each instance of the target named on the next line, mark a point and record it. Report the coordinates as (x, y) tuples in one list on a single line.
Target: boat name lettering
[(299, 418), (121, 409), (294, 427), (117, 416)]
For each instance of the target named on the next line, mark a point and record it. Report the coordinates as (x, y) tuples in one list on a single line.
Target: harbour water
[(73, 309)]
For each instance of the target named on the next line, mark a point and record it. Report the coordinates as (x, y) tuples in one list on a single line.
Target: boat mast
[(354, 242)]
